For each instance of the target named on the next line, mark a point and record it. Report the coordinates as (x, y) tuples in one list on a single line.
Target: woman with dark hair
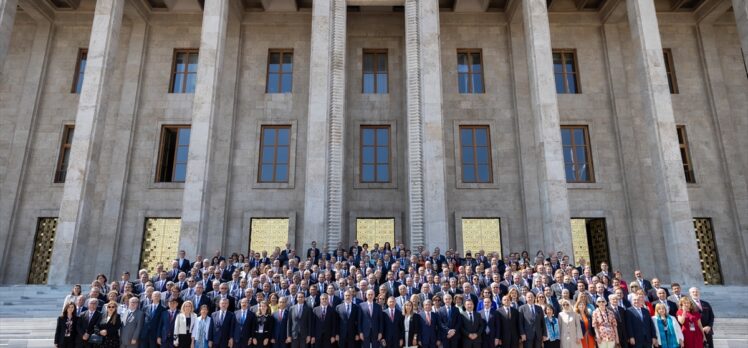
[(101, 278), (74, 294), (552, 328), (387, 246), (263, 326), (110, 325), (67, 325)]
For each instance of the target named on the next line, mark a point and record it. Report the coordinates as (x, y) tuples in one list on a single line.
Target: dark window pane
[(287, 61), (267, 154), (467, 155), (481, 137), (178, 82), (283, 136), (382, 83), (572, 83), (82, 67), (570, 172), (191, 82), (368, 137), (483, 175), (181, 62), (468, 174), (557, 63), (368, 63), (579, 136), (367, 173), (477, 83), (581, 155), (274, 62), (266, 172), (287, 83), (273, 81), (566, 136), (79, 84), (568, 158), (180, 172), (367, 154), (182, 153), (382, 155), (560, 84), (583, 172), (382, 63), (462, 63), (482, 154), (383, 173), (382, 136), (192, 63), (368, 83), (282, 155), (466, 137), (462, 83), (569, 66), (184, 136), (281, 173), (269, 136)]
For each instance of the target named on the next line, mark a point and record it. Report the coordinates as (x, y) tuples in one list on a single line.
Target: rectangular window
[(172, 159), (80, 69), (375, 154), (566, 71), (470, 71), (685, 154), (375, 71), (64, 156), (184, 71), (280, 71), (274, 153), (670, 69), (475, 150), (577, 154)]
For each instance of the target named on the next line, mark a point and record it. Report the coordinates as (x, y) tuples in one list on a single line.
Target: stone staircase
[(28, 312)]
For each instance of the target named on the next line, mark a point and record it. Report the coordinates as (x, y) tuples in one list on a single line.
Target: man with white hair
[(707, 314)]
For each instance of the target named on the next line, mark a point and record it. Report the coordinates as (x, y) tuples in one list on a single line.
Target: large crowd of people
[(388, 297)]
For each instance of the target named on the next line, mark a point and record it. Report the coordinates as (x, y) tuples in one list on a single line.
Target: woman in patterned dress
[(606, 328)]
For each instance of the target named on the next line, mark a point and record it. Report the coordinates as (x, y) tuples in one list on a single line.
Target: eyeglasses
[(565, 305), (111, 306)]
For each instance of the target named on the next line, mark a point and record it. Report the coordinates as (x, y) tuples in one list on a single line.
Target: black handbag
[(95, 338)]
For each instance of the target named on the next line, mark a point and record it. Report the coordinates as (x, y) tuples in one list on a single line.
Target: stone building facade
[(659, 170)]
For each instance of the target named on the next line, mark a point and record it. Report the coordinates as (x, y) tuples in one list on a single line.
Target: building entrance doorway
[(590, 241)]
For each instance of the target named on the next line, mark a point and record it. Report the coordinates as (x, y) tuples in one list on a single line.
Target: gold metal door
[(707, 251), (267, 234), (481, 234), (44, 240), (375, 231), (579, 243), (598, 240), (160, 242)]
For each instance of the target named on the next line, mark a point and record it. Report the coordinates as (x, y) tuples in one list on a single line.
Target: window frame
[(470, 73), (688, 167), (588, 152), (672, 79), (376, 52), (173, 73), (82, 54), (577, 74), (160, 164), (475, 155), (275, 153), (376, 163), (281, 52), (64, 146)]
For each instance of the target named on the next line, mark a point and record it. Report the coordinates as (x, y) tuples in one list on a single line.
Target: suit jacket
[(325, 326), (280, 328), (620, 322), (645, 285), (429, 332), (392, 328), (652, 294), (509, 323), (204, 300), (217, 302), (131, 326), (223, 330), (672, 308), (86, 325), (707, 315), (348, 324), (448, 322), (639, 327), (300, 322), (151, 322), (475, 326), (370, 324), (532, 326), (185, 265), (61, 327), (166, 331), (492, 324)]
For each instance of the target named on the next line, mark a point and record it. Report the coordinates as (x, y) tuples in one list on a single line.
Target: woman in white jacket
[(667, 328), (570, 328), (184, 326)]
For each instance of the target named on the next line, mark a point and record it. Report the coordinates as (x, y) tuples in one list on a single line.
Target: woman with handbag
[(109, 326), (410, 325), (184, 326)]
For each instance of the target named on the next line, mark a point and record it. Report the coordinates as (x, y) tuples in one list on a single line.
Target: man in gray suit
[(132, 322), (531, 323), (300, 323)]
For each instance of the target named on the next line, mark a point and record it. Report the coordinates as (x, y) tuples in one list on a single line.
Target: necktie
[(220, 319), (639, 313), (470, 316), (371, 309), (244, 316), (129, 314), (171, 315), (428, 318), (280, 315), (392, 315), (532, 310), (348, 309)]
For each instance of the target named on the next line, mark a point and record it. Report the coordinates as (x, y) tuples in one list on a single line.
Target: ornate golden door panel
[(579, 240), (481, 234), (267, 234), (44, 239), (589, 239), (160, 242), (707, 251), (375, 231)]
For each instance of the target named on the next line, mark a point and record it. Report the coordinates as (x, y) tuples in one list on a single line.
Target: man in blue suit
[(640, 329), (152, 322), (450, 323), (428, 333), (243, 326), (280, 327), (223, 325), (491, 334), (348, 313), (370, 321), (392, 330), (166, 330)]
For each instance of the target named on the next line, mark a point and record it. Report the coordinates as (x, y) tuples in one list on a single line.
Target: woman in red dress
[(690, 323)]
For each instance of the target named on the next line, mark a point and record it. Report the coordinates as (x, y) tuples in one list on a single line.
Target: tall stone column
[(205, 106), (79, 192), (667, 167), (740, 7), (7, 17), (25, 123), (427, 209), (323, 188), (554, 200)]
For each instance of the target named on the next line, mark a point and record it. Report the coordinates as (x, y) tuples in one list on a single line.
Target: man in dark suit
[(467, 292), (223, 325), (88, 321), (652, 293), (370, 321), (183, 263), (450, 323), (531, 324), (313, 248), (348, 315), (152, 321), (280, 327), (620, 313), (392, 328), (166, 331), (490, 319), (509, 323), (300, 323), (324, 323), (428, 330), (672, 308), (223, 293), (200, 298), (707, 314), (639, 326), (243, 324), (472, 326), (643, 283)]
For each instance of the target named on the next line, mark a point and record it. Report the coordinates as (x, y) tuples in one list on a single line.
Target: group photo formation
[(383, 296)]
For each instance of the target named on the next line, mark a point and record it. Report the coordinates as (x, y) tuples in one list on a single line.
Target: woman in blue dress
[(203, 333)]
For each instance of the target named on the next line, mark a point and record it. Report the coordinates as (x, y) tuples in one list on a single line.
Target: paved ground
[(27, 315)]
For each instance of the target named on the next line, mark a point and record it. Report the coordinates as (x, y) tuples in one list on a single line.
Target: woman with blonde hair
[(570, 326), (667, 329), (410, 325), (585, 321), (184, 326), (690, 321), (110, 325)]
